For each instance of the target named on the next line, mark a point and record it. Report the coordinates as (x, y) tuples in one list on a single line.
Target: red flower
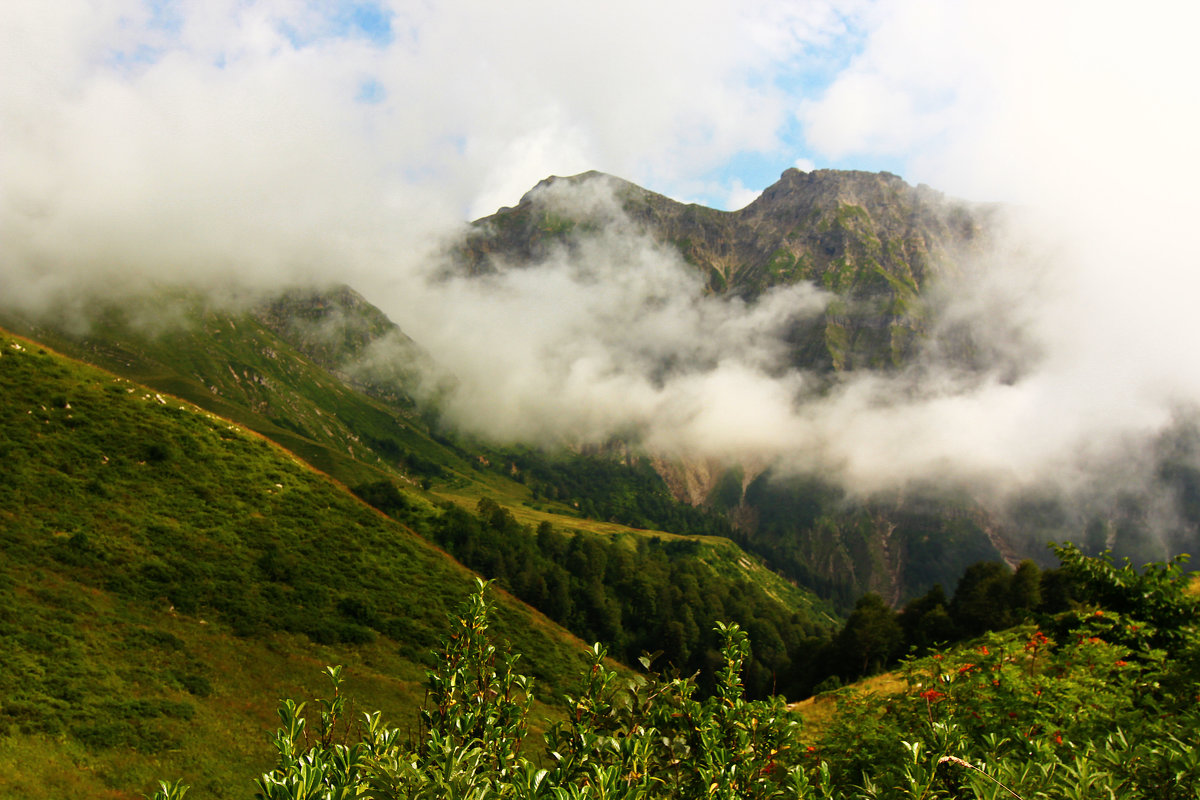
[(1122, 663), (966, 668), (1058, 737), (931, 695), (983, 650), (1038, 639)]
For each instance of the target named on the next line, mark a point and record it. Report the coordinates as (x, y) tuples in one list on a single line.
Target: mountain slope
[(235, 365), (168, 575), (260, 366)]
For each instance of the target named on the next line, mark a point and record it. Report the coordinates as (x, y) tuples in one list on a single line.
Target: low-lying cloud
[(615, 336)]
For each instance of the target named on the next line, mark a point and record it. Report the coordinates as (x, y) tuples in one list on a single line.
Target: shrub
[(633, 737)]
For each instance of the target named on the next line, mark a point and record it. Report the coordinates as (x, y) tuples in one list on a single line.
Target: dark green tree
[(1025, 589), (871, 638), (982, 598)]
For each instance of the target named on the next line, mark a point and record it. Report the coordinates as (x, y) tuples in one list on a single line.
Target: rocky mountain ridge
[(871, 240)]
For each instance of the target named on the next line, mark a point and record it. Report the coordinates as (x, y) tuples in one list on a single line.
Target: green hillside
[(140, 528), (168, 574), (289, 368), (235, 364)]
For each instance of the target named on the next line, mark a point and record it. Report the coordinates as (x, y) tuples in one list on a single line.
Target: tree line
[(645, 594), (989, 596)]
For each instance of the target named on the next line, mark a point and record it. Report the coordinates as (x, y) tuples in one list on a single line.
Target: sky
[(212, 142), (465, 105)]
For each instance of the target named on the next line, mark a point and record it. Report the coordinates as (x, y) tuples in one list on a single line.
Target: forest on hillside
[(653, 595)]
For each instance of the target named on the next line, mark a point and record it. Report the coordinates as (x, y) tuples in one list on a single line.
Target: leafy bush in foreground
[(1101, 705), (635, 737)]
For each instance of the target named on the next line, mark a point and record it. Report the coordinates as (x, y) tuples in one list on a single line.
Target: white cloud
[(223, 138), (616, 337), (1080, 113), (740, 196)]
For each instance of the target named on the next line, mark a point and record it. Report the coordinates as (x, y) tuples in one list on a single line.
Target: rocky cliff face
[(871, 240)]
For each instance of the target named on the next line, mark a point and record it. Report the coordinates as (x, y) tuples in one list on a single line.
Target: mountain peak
[(796, 187), (618, 186)]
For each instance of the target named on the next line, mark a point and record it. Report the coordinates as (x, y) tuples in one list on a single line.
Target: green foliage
[(642, 737), (383, 495), (475, 695), (652, 738), (1158, 594), (989, 596), (1084, 716), (871, 638), (1099, 711)]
